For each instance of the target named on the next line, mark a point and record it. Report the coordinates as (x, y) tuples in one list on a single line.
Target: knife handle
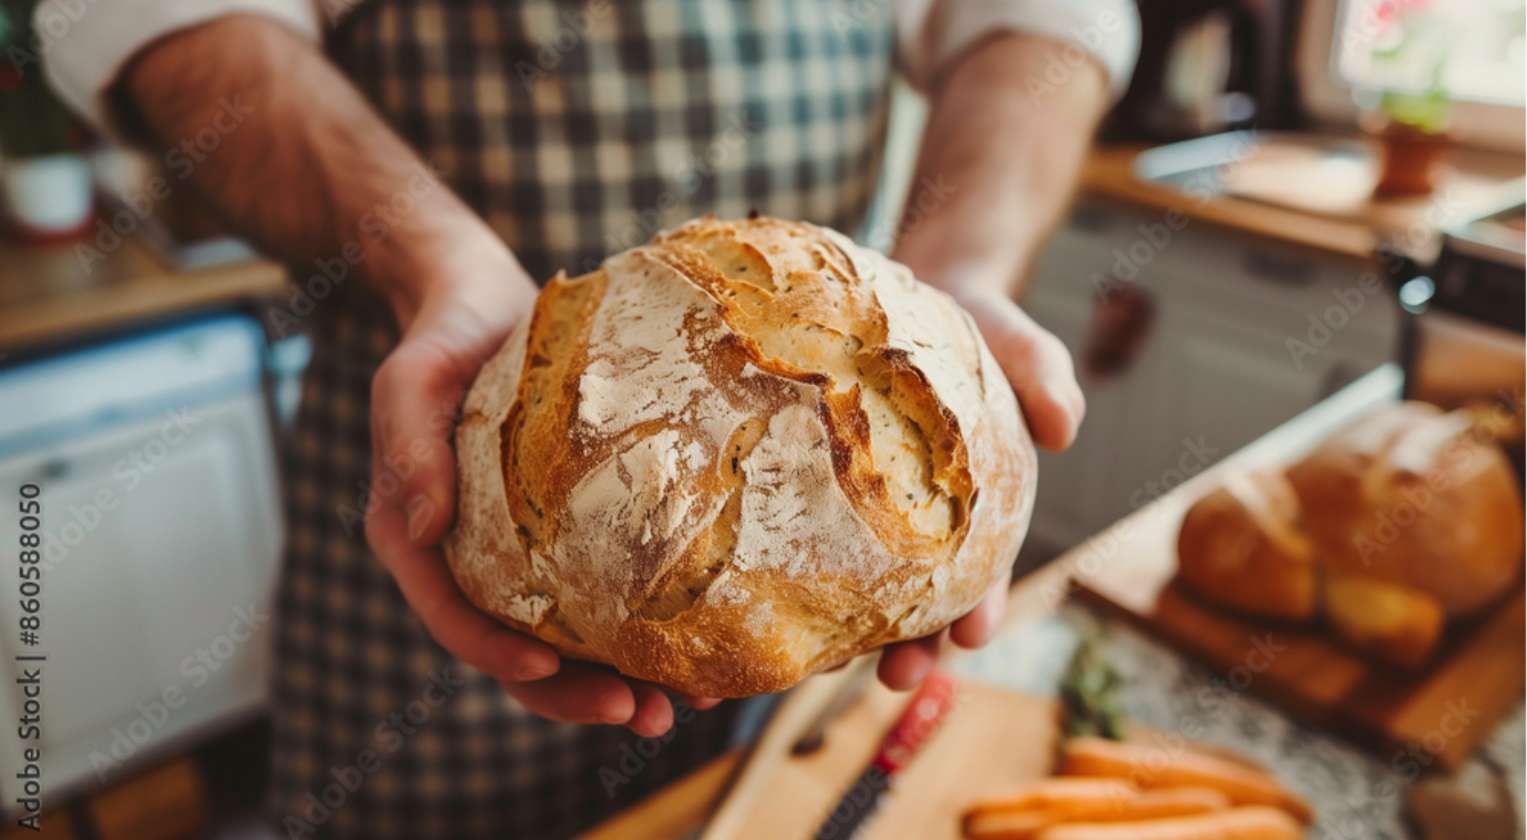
[(928, 707)]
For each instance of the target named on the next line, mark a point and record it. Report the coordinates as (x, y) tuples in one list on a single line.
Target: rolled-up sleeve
[(932, 33), (85, 43)]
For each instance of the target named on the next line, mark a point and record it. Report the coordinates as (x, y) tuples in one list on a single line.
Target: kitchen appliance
[(1462, 340), (1207, 66), (160, 529)]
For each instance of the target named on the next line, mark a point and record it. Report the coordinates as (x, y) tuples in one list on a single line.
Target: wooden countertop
[(49, 293), (54, 292), (1467, 177)]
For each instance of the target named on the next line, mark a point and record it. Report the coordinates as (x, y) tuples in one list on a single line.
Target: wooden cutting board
[(991, 740), (1439, 714)]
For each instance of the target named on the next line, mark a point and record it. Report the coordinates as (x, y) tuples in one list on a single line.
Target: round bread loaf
[(1415, 497), (737, 455), (1241, 546)]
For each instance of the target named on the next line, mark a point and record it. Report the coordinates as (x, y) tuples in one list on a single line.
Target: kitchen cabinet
[(161, 529), (1243, 333)]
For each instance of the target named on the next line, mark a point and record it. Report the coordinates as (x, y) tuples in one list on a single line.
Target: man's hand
[(1039, 369), (998, 161), (316, 174), (462, 320)]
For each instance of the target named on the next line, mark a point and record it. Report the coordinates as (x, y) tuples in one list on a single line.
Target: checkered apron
[(575, 129)]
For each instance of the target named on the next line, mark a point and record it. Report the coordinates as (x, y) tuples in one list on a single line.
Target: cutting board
[(1439, 714), (991, 740)]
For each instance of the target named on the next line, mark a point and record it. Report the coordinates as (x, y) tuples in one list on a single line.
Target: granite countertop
[(1355, 793)]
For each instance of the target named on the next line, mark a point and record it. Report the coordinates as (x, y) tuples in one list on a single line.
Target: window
[(1471, 49)]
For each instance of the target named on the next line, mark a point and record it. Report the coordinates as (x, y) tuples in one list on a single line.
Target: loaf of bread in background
[(1398, 623), (1399, 521), (1411, 496), (740, 454), (1241, 546)]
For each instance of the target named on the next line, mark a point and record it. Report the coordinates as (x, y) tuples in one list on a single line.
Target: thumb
[(1037, 366), (414, 398)]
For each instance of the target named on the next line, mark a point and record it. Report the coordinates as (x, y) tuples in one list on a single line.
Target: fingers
[(654, 711), (432, 594), (584, 693), (414, 398), (904, 664), (978, 626), (1037, 365)]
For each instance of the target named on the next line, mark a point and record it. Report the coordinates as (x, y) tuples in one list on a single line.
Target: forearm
[(302, 165), (1004, 144)]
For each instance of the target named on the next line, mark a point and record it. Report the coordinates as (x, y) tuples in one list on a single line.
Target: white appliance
[(161, 530)]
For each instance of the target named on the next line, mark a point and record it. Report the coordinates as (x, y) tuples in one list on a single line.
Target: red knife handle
[(927, 708)]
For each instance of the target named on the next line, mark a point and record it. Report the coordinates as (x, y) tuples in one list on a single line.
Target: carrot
[(1156, 767), (1006, 825), (1047, 793), (1249, 822), (1058, 800)]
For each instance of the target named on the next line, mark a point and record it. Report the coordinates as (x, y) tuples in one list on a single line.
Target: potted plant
[(1412, 116), (46, 189)]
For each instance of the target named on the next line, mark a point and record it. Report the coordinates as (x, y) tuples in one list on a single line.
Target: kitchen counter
[(1110, 172), (1351, 789), (50, 293), (57, 292)]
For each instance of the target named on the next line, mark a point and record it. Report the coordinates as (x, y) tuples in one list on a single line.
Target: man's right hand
[(459, 322), (309, 176)]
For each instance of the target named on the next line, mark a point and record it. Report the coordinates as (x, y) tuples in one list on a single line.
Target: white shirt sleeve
[(86, 44), (930, 33)]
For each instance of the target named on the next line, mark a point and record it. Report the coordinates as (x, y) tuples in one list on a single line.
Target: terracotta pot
[(1409, 159)]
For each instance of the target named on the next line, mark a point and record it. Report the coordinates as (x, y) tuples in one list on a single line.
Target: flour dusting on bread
[(741, 453)]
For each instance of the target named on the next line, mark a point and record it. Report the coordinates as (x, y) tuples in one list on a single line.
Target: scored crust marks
[(737, 455), (647, 403), (794, 517), (648, 331), (689, 339)]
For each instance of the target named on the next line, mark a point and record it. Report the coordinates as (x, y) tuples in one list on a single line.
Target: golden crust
[(738, 455), (1241, 545), (1412, 496)]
